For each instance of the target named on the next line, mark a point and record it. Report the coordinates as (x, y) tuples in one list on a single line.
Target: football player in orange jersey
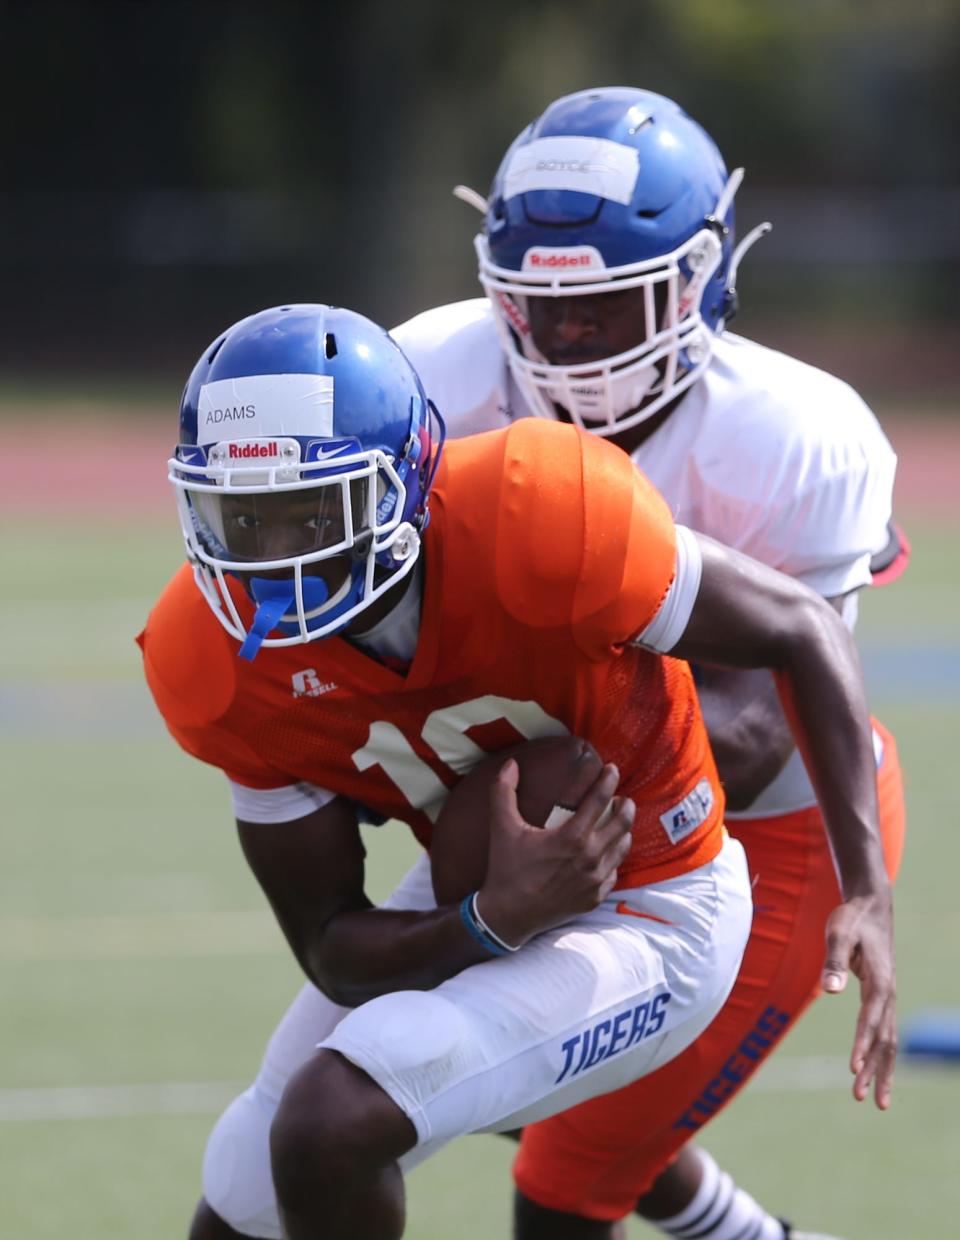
[(518, 584)]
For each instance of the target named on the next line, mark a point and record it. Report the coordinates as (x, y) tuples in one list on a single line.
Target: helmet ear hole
[(329, 345)]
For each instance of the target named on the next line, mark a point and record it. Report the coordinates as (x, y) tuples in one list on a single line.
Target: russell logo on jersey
[(689, 813), (308, 684)]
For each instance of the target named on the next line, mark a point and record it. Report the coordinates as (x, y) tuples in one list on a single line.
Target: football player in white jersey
[(609, 264)]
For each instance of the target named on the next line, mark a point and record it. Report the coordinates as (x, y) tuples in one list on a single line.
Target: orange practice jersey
[(545, 553)]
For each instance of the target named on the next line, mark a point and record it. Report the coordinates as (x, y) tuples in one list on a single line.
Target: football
[(555, 771)]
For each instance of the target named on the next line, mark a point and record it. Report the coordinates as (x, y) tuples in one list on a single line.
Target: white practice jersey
[(766, 454)]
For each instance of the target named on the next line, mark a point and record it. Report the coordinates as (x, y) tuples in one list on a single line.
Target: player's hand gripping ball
[(555, 774)]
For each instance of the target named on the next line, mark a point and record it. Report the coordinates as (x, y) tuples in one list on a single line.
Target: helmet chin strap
[(627, 392)]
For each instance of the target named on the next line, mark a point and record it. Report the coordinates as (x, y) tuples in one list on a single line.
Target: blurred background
[(170, 167)]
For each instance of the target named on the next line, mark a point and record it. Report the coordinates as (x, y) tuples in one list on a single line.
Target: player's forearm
[(365, 953), (824, 698)]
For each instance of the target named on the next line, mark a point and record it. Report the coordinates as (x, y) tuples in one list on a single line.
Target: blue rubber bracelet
[(476, 930)]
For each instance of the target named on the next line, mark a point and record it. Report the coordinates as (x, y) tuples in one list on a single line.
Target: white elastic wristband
[(492, 934)]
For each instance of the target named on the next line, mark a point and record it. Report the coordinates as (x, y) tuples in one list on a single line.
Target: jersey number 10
[(445, 731)]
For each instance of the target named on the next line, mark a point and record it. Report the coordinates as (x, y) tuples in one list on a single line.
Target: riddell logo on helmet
[(560, 260), (242, 452), (576, 258)]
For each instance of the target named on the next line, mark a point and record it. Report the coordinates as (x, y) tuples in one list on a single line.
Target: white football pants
[(578, 1011)]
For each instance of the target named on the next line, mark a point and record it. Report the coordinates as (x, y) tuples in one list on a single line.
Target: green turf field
[(141, 974)]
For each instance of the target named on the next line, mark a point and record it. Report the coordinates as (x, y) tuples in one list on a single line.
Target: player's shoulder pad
[(457, 354), (575, 516), (442, 325), (188, 660), (815, 425)]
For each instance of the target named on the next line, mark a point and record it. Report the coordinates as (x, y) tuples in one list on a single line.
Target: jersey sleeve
[(669, 624), (805, 484), (826, 533), (191, 673), (584, 539), (284, 804)]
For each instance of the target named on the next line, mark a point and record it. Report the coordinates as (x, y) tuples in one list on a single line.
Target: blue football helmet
[(306, 456), (613, 189)]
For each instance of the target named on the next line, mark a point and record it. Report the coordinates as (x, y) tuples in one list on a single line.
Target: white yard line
[(785, 1074)]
